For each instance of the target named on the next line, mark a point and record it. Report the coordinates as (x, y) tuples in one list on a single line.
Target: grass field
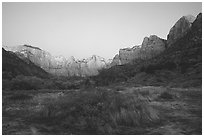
[(106, 110)]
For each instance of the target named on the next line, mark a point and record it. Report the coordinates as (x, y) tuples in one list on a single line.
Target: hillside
[(12, 66), (179, 65)]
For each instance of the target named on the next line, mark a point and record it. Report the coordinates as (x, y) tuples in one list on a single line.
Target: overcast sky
[(84, 29)]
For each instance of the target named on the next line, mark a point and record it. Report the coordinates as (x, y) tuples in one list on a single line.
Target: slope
[(179, 65), (12, 66)]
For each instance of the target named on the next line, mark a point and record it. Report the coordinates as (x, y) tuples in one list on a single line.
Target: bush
[(166, 95), (20, 97), (6, 75), (98, 112), (112, 75), (49, 84), (21, 82), (6, 84), (26, 83), (151, 68)]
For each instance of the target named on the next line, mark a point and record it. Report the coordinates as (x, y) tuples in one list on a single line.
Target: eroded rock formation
[(59, 65), (151, 46), (180, 28)]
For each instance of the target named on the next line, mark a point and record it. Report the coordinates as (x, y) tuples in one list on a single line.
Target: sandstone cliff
[(151, 46), (59, 65), (181, 27), (13, 66), (179, 65)]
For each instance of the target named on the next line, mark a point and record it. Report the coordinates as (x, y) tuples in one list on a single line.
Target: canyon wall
[(59, 65), (153, 45)]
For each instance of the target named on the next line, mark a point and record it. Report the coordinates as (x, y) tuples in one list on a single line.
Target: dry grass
[(102, 111), (88, 112)]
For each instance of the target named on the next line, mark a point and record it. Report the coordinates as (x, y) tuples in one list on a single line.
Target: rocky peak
[(180, 28), (190, 18), (151, 46), (197, 24), (94, 57), (71, 59), (145, 41), (153, 40), (116, 60), (59, 65)]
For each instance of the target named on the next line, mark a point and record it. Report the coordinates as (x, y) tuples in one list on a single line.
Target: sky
[(85, 29)]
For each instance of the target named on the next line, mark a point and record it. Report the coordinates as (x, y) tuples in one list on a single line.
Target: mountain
[(178, 64), (59, 65), (180, 29), (12, 66), (151, 46), (183, 59)]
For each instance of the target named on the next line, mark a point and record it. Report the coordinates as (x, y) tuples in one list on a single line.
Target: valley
[(150, 89)]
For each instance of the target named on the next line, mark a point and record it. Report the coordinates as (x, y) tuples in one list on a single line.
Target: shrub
[(26, 82), (21, 82), (6, 84), (98, 112), (151, 68), (20, 97), (6, 75), (112, 75), (166, 95), (49, 84)]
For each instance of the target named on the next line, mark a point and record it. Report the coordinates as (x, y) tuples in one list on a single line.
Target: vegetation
[(21, 82), (98, 112), (13, 66), (101, 111)]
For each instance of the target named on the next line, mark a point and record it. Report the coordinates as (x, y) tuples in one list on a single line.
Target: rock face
[(178, 65), (151, 46), (197, 24), (116, 60), (154, 45), (181, 27), (59, 65), (12, 66)]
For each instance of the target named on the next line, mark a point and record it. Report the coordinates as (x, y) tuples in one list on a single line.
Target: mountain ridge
[(12, 66), (154, 45), (180, 64), (59, 65), (151, 47)]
